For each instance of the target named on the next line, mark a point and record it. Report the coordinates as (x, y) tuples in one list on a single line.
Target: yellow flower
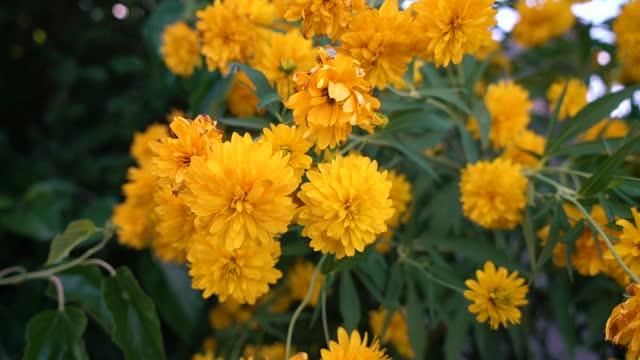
[(323, 17), (141, 184), (228, 313), (242, 100), (331, 98), (299, 280), (243, 274), (352, 348), (206, 355), (140, 149), (135, 227), (607, 129), (241, 193), (629, 245), (529, 141), (174, 227), (300, 356), (575, 97), (542, 21), (180, 49), (379, 39), (397, 331), (493, 193), (274, 351), (508, 104), (231, 29), (453, 28), (487, 49), (174, 155), (283, 55), (496, 295), (627, 29), (346, 204), (628, 22), (289, 142), (623, 325), (400, 194)]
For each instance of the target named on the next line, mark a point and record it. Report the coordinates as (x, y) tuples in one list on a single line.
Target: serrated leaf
[(136, 328), (56, 335), (76, 232), (589, 116), (416, 322), (349, 302), (83, 286), (599, 180)]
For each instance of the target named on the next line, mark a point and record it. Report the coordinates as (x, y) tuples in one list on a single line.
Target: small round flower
[(400, 194), (135, 227), (173, 156), (265, 352), (606, 129), (629, 245), (542, 21), (623, 325), (397, 331), (380, 40), (140, 185), (346, 204), (453, 28), (525, 143), (140, 149), (180, 49), (280, 57), (353, 347), (332, 98), (241, 193), (299, 280), (496, 295), (229, 313), (493, 193), (574, 100), (242, 100), (243, 274), (628, 53), (174, 222), (508, 104), (323, 17), (289, 142)]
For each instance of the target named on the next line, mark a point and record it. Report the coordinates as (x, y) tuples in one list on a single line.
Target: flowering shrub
[(365, 181)]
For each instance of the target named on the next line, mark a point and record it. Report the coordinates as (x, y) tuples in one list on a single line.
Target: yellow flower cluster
[(323, 17), (496, 295), (575, 97), (401, 196), (627, 30), (541, 21), (397, 331), (353, 347), (607, 129), (332, 98), (181, 49), (508, 104)]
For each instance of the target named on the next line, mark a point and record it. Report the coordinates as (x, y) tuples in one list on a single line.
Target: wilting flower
[(575, 97), (323, 17), (332, 98), (542, 21), (493, 193), (299, 280), (452, 28), (289, 142), (354, 347), (241, 193), (519, 151), (346, 204), (243, 274), (623, 325), (496, 295), (181, 49), (397, 331), (508, 104)]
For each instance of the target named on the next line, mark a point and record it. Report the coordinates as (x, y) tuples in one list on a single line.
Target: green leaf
[(376, 268), (554, 116), (595, 147), (413, 155), (529, 238), (457, 334), (468, 144), (448, 95), (170, 287), (83, 286), (589, 116), (486, 341), (599, 180), (254, 123), (560, 299), (394, 285), (416, 322), (56, 334), (349, 302), (484, 120), (264, 91), (76, 232), (552, 239), (136, 328)]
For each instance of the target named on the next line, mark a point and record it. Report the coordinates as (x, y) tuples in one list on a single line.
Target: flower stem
[(59, 290), (11, 270), (323, 299), (430, 276), (302, 305), (101, 263)]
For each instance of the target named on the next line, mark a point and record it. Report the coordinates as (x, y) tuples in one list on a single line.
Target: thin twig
[(430, 276), (59, 291), (11, 270), (101, 263)]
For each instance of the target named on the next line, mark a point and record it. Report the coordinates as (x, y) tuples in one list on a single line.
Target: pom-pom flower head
[(323, 17), (453, 28), (353, 347), (140, 149), (243, 274), (289, 142), (541, 21), (299, 280), (180, 49), (574, 100), (496, 295), (397, 331), (623, 326), (242, 192), (519, 150), (346, 204), (508, 104), (493, 193), (174, 227), (332, 98)]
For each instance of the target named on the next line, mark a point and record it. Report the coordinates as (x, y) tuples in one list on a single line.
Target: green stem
[(430, 276), (103, 264), (302, 305), (563, 190), (59, 291), (323, 300), (604, 236)]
